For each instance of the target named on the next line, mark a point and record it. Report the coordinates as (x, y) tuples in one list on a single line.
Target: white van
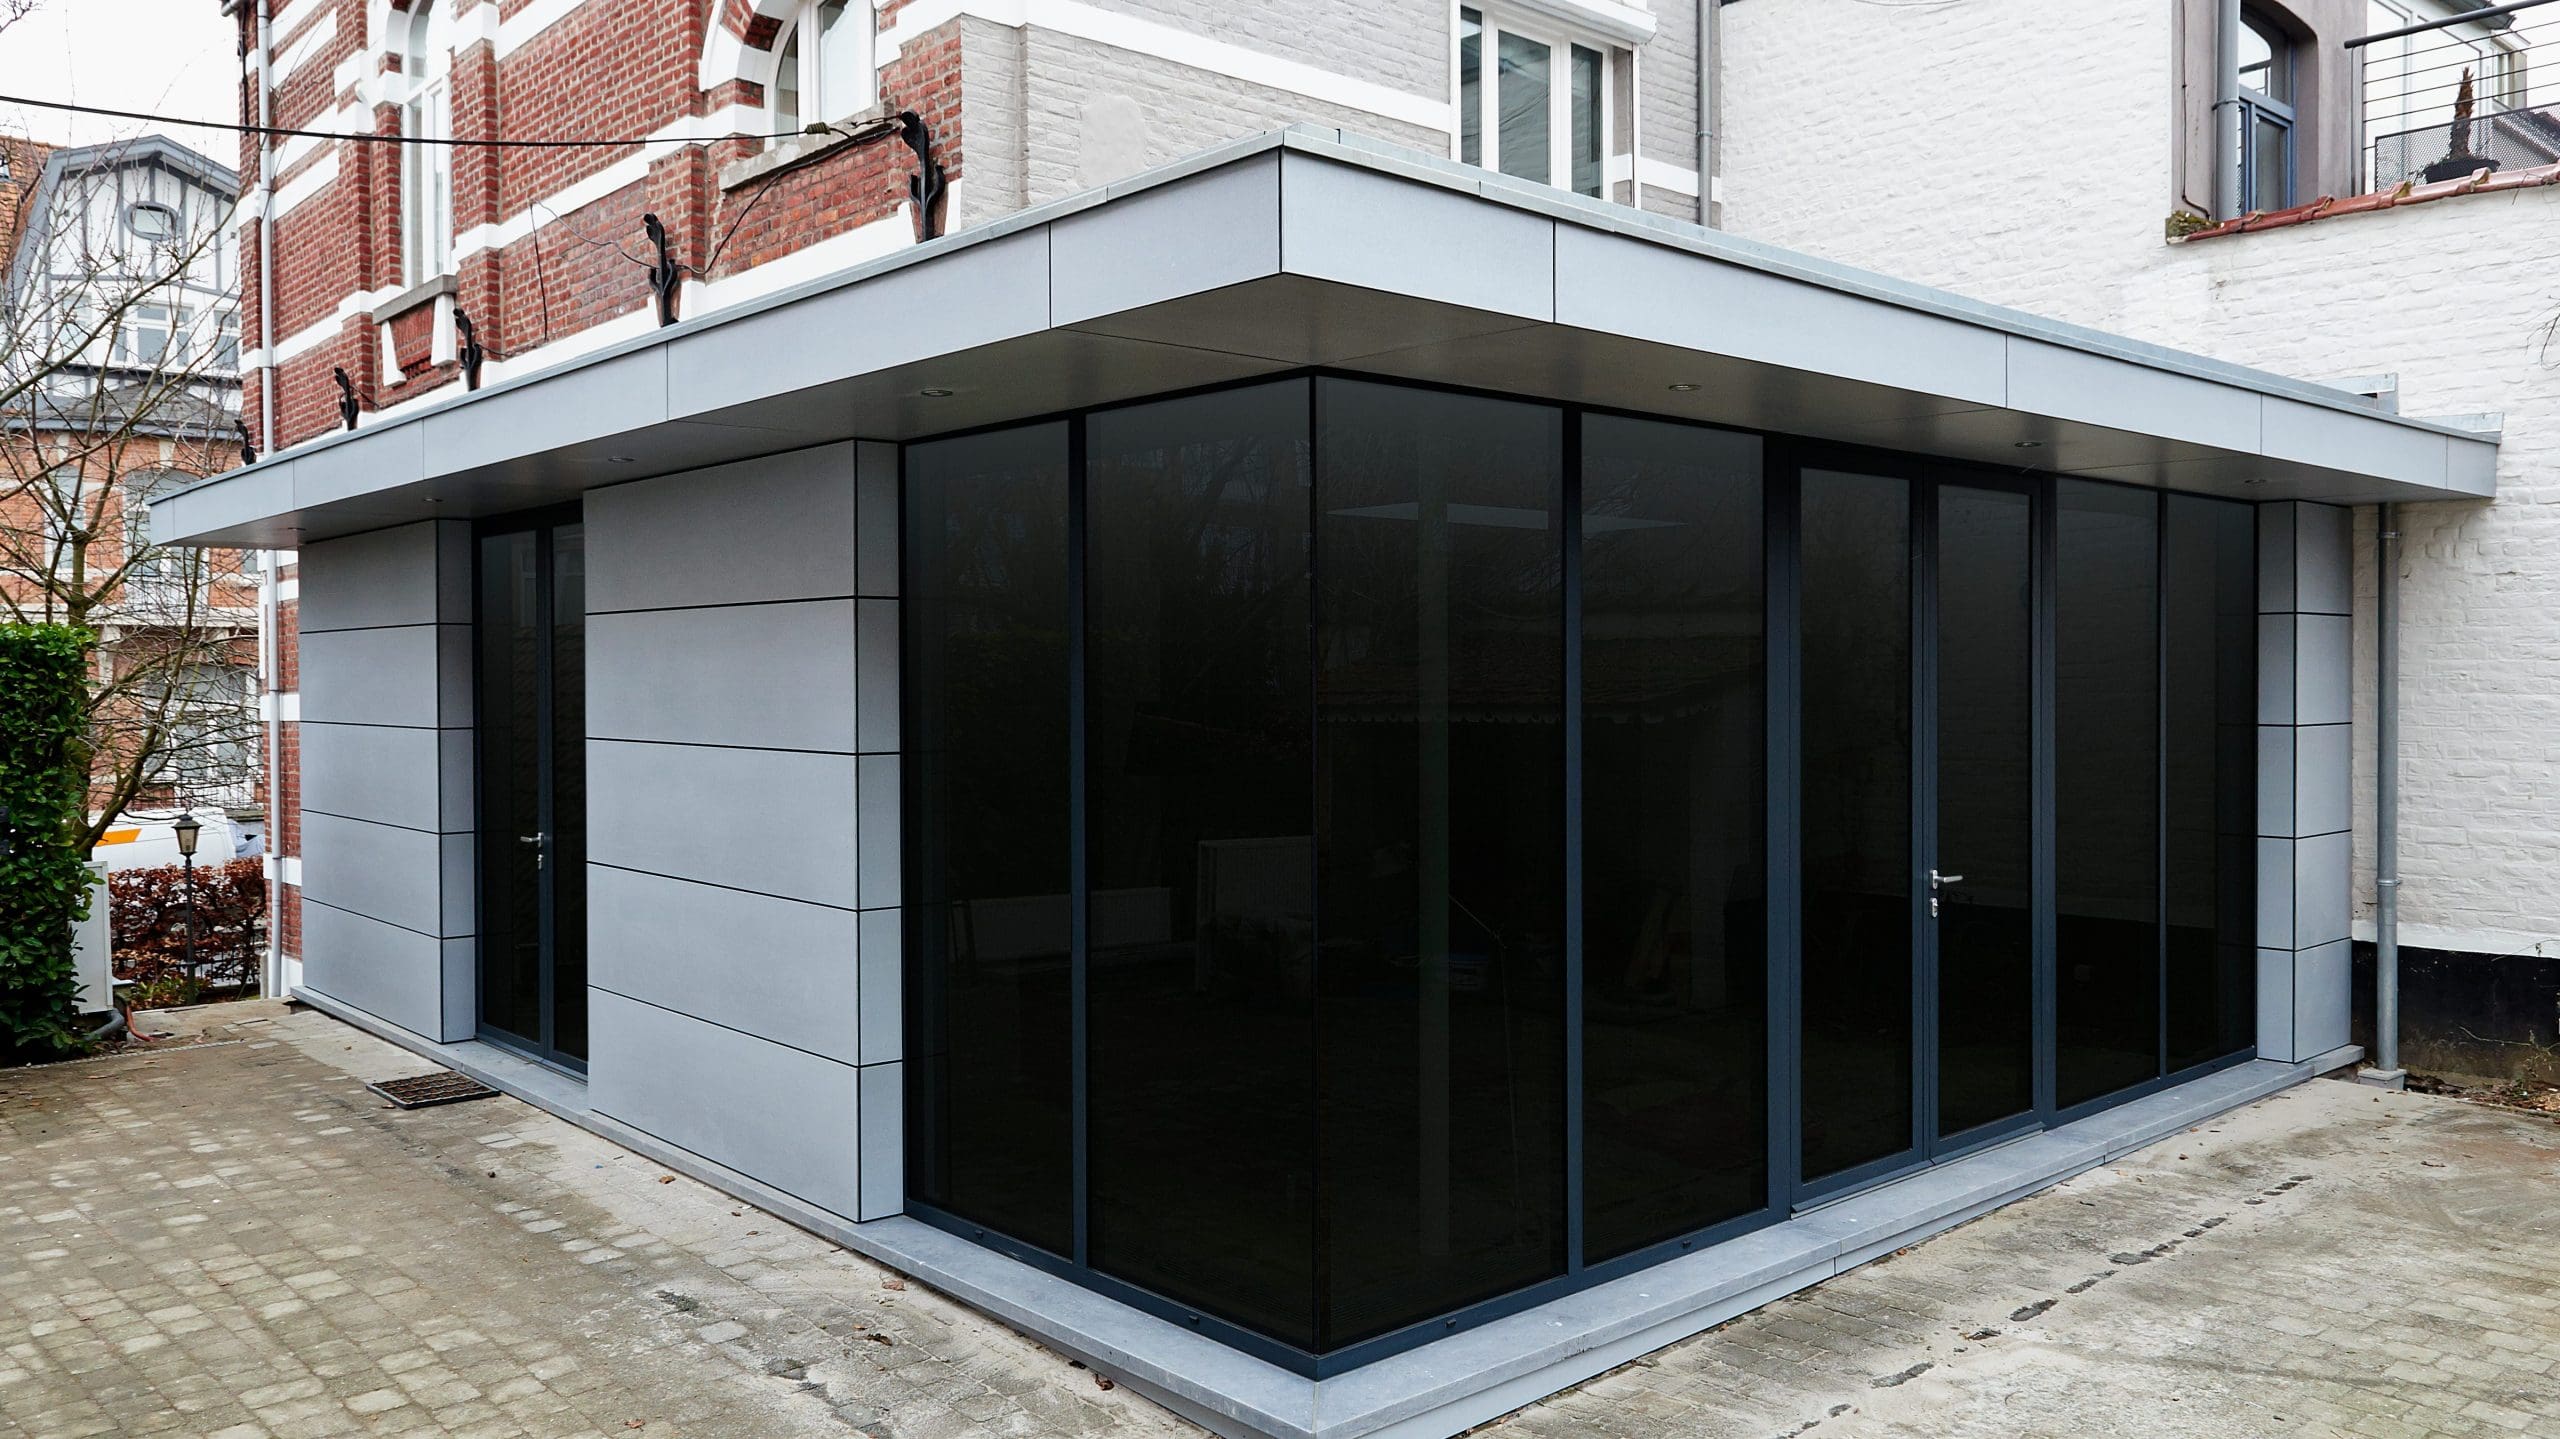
[(143, 839)]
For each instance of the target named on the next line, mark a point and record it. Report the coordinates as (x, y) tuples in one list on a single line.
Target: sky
[(170, 57)]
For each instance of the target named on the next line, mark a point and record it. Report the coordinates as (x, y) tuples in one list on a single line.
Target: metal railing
[(2445, 98)]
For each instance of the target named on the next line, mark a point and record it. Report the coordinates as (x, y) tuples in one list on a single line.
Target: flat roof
[(1317, 248)]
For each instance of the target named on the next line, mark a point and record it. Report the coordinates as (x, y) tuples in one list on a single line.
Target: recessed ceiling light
[(1683, 388), (2255, 480), (2030, 444), (935, 394)]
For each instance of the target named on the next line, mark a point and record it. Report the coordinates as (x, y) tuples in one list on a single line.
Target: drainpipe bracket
[(2395, 1080)]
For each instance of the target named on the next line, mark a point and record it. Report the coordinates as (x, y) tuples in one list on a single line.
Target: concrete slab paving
[(228, 1235)]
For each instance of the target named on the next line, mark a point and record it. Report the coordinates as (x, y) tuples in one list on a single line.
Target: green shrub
[(44, 885)]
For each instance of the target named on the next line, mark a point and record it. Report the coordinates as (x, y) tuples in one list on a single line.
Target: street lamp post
[(186, 828)]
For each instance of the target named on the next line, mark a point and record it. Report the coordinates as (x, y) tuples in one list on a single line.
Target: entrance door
[(533, 794), (1981, 866), (1916, 1003)]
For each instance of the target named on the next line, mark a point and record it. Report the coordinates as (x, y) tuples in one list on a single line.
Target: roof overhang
[(1312, 248)]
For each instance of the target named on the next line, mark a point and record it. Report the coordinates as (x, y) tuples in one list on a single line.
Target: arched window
[(426, 175), (2266, 112), (822, 65)]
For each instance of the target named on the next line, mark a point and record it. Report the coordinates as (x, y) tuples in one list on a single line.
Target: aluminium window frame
[(2257, 106), (1494, 21), (1784, 459)]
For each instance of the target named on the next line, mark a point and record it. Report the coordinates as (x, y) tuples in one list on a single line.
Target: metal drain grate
[(420, 1090)]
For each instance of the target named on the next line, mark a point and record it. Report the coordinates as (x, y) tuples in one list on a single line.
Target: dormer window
[(152, 222), (1533, 102), (822, 65)]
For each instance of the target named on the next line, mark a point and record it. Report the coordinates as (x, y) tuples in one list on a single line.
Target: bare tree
[(119, 356)]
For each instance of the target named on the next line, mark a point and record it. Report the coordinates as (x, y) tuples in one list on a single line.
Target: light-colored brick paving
[(237, 1240)]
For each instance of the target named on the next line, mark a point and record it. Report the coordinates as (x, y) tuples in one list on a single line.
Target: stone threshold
[(1448, 1386)]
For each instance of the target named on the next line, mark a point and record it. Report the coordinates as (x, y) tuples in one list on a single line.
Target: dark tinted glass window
[(510, 744), (1674, 798), (987, 847), (1201, 853), (1855, 1072), (568, 856), (2212, 765), (2107, 797), (1439, 832)]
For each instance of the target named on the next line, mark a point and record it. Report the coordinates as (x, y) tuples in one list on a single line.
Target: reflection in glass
[(1439, 832), (2212, 770), (1856, 1051), (1985, 808), (1587, 81), (510, 739), (1471, 87), (1200, 848), (1675, 975), (2107, 801), (1525, 101), (986, 855)]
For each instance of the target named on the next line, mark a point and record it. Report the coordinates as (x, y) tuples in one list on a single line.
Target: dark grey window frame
[(1783, 459)]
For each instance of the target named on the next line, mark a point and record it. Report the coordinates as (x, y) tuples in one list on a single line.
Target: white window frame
[(817, 106), (426, 171), (1561, 42)]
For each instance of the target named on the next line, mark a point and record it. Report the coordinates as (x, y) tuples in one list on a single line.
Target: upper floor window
[(146, 334), (1531, 103), (152, 222), (2266, 55), (822, 65), (426, 173)]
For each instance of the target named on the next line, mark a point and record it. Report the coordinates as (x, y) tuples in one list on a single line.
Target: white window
[(426, 172), (1532, 103), (152, 222), (226, 340), (143, 336), (822, 65)]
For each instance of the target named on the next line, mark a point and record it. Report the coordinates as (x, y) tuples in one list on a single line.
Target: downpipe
[(2228, 202), (1707, 112), (2386, 1071)]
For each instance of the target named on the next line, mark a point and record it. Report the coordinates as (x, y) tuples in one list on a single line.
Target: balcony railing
[(2445, 98)]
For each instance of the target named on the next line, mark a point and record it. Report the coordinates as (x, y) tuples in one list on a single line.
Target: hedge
[(148, 912), (44, 883)]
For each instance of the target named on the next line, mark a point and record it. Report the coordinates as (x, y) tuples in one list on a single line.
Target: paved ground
[(235, 1239)]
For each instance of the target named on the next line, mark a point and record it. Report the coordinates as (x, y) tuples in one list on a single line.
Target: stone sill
[(781, 155), (418, 294)]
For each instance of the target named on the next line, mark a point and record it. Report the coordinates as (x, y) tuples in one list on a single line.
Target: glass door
[(1981, 868), (531, 672), (1916, 1031)]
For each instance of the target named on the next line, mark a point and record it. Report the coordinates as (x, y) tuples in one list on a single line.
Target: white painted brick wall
[(1987, 148)]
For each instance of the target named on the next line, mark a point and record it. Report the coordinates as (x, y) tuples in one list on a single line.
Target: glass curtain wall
[(1339, 850)]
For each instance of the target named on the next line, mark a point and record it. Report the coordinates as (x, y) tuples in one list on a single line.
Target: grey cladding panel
[(774, 1114), (1618, 285), (778, 528), (382, 773), (385, 873), (777, 676), (772, 967), (766, 821), (382, 577), (386, 677), (1361, 228), (1151, 246), (384, 970)]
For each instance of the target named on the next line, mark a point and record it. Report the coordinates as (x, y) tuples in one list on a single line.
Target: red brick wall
[(609, 68)]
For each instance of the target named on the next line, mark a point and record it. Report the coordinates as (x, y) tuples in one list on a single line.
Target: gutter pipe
[(270, 661), (2228, 203), (2386, 802), (1707, 111)]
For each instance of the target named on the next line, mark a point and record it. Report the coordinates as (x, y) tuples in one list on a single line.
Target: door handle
[(1938, 882), (541, 850)]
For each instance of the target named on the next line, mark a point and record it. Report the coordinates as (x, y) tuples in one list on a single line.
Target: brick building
[(1356, 771)]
